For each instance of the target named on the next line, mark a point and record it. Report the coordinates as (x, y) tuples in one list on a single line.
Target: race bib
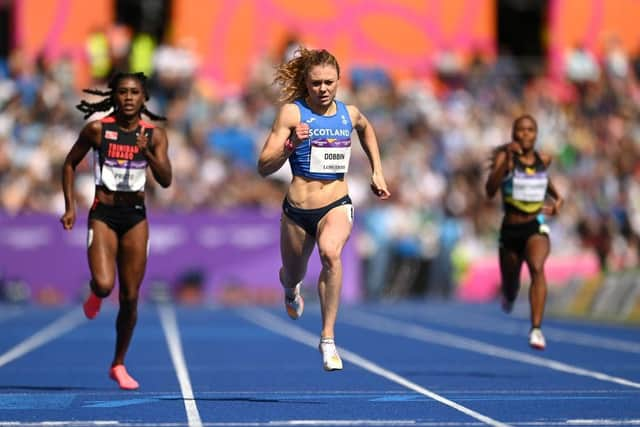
[(329, 159), (529, 189), (124, 177)]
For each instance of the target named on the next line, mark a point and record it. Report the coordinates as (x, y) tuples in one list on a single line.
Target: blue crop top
[(325, 154)]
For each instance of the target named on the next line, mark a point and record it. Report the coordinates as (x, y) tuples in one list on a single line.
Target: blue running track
[(405, 364)]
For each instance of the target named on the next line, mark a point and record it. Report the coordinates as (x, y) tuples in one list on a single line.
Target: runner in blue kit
[(124, 146), (313, 132), (520, 173)]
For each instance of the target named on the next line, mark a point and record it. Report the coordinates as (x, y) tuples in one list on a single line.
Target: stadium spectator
[(592, 135)]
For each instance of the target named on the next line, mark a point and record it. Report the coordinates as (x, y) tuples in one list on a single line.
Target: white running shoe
[(536, 339), (295, 306), (293, 301), (330, 358)]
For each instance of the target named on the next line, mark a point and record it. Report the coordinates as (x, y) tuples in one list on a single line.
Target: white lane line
[(303, 422), (59, 327), (277, 325), (491, 324), (603, 422), (58, 423), (413, 331), (590, 340), (172, 334)]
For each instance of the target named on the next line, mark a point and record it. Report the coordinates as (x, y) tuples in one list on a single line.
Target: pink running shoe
[(91, 306), (120, 375)]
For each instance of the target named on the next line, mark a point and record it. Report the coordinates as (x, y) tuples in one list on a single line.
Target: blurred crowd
[(436, 137)]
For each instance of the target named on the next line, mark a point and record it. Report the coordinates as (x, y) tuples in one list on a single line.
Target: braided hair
[(108, 102)]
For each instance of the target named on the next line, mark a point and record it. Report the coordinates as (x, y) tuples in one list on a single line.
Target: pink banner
[(482, 281), (592, 23), (231, 37), (404, 37)]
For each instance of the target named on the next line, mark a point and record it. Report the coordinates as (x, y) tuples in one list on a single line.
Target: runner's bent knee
[(330, 258), (102, 286)]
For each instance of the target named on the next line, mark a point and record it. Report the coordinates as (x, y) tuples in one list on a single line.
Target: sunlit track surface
[(515, 325), (7, 312), (414, 364)]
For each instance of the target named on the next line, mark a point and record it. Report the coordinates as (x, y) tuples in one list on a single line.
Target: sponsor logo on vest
[(111, 134)]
